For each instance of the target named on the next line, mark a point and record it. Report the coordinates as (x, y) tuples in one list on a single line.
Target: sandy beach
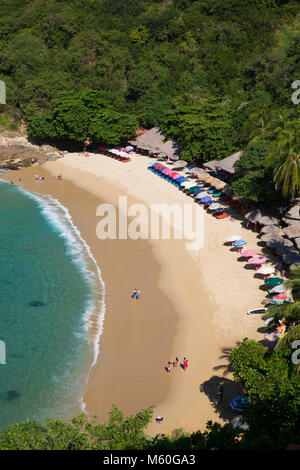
[(190, 306)]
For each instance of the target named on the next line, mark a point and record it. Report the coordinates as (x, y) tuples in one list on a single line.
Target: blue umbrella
[(181, 179), (240, 404), (197, 192), (206, 199), (240, 243)]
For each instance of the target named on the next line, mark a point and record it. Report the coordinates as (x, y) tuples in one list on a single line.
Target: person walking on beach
[(138, 294), (185, 363), (133, 295), (169, 367), (176, 361)]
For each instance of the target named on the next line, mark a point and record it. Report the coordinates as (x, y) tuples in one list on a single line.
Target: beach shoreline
[(189, 306)]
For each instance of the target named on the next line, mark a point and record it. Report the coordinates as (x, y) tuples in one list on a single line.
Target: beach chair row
[(117, 154)]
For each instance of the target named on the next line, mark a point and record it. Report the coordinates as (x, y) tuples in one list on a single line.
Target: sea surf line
[(78, 250)]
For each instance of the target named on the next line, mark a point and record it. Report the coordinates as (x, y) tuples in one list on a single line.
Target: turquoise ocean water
[(50, 292)]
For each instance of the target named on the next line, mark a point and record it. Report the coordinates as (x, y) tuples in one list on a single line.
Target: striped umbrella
[(280, 299), (257, 260), (240, 243), (271, 336)]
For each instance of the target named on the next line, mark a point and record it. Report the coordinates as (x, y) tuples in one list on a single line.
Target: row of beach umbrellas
[(195, 189), (275, 284)]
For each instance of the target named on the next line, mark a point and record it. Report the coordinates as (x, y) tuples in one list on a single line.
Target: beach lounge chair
[(221, 216)]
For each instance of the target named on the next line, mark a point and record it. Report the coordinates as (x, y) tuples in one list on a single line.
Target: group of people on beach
[(39, 177), (184, 364), (136, 294)]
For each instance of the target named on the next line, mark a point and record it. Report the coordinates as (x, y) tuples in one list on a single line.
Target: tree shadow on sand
[(221, 391)]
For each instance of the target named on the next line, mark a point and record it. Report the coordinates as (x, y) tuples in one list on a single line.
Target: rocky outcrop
[(17, 151)]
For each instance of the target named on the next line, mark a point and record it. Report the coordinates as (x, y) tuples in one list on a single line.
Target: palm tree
[(287, 176), (287, 151), (259, 122)]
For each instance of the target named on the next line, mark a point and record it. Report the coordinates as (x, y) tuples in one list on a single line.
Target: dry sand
[(191, 306)]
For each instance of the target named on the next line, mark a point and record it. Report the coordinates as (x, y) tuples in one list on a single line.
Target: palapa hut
[(293, 215), (261, 218), (292, 231), (180, 164), (154, 141), (224, 167), (270, 228), (297, 242)]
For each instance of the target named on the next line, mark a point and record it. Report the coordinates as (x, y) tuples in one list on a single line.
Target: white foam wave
[(60, 219)]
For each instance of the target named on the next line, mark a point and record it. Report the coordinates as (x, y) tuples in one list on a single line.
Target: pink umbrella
[(176, 176), (173, 173), (249, 253), (257, 260), (166, 171)]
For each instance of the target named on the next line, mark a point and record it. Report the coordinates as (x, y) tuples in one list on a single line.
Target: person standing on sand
[(185, 363), (176, 361), (133, 295), (169, 367), (138, 294)]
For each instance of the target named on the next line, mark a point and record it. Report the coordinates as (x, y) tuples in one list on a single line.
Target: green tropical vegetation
[(216, 76), (270, 381)]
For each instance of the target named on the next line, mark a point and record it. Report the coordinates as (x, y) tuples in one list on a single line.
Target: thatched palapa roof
[(227, 164), (292, 231), (261, 218), (293, 215), (154, 140)]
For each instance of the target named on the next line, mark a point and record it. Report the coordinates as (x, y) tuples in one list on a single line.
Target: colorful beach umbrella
[(201, 195), (249, 253), (240, 243), (280, 299), (257, 260), (271, 336), (214, 205), (166, 171), (281, 289), (274, 281), (187, 183), (265, 270), (205, 199), (234, 238), (180, 180)]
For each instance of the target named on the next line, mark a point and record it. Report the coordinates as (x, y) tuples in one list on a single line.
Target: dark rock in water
[(11, 395), (36, 303)]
